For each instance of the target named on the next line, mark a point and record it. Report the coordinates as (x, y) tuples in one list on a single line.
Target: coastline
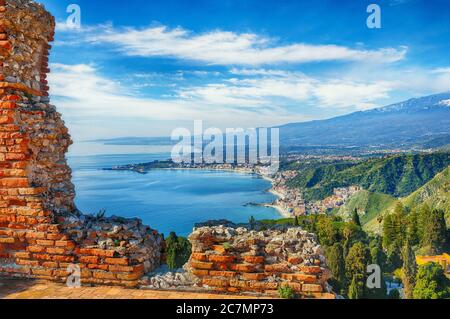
[(282, 211)]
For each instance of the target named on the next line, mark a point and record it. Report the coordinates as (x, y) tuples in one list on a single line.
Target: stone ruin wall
[(235, 259), (41, 231)]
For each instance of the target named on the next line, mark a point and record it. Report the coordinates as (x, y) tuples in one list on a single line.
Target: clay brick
[(89, 259), (41, 242), (131, 276), (296, 286), (42, 272), (36, 249), (254, 259), (254, 276), (103, 253), (7, 240), (220, 249), (239, 283), (65, 243), (243, 268), (305, 278), (50, 264), (221, 266), (13, 182), (24, 262), (259, 285), (215, 273), (295, 260), (199, 256), (56, 237), (56, 251), (118, 268), (117, 261), (61, 258), (202, 265), (215, 282), (98, 266), (36, 235), (311, 288), (22, 255), (221, 259), (42, 256), (8, 105), (311, 269), (103, 275), (61, 273), (200, 272), (277, 268)]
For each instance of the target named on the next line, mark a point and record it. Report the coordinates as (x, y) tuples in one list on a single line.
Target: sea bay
[(167, 200)]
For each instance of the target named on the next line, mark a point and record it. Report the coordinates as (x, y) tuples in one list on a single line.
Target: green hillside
[(397, 176), (436, 194), (368, 205)]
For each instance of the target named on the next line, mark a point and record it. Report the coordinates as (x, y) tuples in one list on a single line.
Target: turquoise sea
[(167, 200)]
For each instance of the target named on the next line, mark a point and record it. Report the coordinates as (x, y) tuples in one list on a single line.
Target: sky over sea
[(144, 68)]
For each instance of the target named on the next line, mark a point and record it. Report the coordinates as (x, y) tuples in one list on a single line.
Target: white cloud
[(269, 86), (229, 48), (86, 99), (441, 70)]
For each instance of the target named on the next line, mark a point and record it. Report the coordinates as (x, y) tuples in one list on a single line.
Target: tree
[(378, 256), (356, 264), (355, 218), (431, 283), (435, 232), (336, 264), (356, 289), (409, 270), (178, 251), (326, 231), (389, 235), (414, 235)]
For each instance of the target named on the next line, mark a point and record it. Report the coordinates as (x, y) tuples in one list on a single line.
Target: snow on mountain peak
[(445, 102)]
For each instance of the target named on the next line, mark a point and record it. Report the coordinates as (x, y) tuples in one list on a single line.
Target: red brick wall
[(41, 231), (228, 260)]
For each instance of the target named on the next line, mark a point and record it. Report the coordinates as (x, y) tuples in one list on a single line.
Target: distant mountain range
[(422, 123)]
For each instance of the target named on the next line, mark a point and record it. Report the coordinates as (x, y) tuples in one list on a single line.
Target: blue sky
[(144, 68)]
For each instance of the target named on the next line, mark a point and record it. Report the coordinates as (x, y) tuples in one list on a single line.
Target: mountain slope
[(422, 122), (397, 176), (435, 193), (368, 205)]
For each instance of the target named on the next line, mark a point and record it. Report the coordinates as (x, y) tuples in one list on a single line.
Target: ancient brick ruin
[(41, 231), (235, 259)]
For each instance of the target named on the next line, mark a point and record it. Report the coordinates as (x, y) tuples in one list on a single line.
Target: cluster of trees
[(422, 231), (349, 251), (423, 228)]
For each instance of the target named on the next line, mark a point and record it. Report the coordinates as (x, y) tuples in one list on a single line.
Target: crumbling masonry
[(41, 232)]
